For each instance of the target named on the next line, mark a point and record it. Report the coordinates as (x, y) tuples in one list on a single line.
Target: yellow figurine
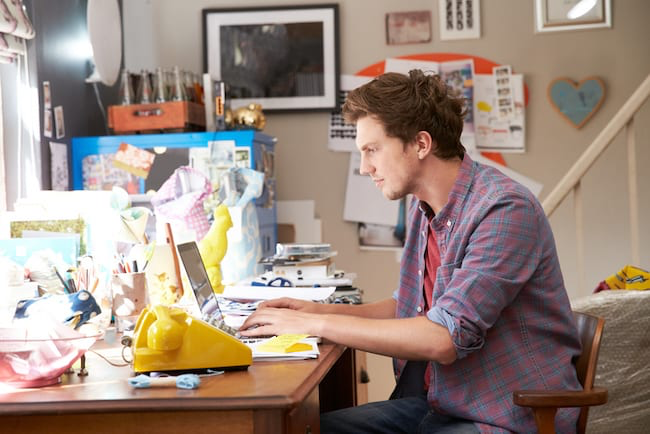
[(214, 245)]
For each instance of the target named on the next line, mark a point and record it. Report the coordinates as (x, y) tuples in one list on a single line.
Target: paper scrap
[(270, 292), (287, 343), (134, 160)]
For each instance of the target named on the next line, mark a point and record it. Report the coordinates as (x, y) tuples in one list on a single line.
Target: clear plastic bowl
[(31, 358)]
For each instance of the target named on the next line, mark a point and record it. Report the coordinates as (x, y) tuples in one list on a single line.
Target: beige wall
[(307, 170)]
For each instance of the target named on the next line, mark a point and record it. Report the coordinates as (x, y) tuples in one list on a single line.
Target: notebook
[(203, 292)]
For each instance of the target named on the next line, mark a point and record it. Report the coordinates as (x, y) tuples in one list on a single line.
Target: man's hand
[(291, 303), (271, 321)]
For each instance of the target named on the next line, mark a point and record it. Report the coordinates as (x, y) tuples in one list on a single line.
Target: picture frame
[(459, 19), (564, 15), (408, 27), (285, 58)]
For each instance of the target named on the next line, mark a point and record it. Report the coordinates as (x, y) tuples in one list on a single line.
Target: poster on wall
[(381, 222), (458, 74), (342, 136), (364, 202), (59, 166), (497, 131)]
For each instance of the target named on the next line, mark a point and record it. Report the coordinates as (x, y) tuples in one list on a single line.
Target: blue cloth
[(405, 415), (71, 309), (184, 381)]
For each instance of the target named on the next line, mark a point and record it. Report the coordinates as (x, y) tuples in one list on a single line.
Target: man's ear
[(424, 144)]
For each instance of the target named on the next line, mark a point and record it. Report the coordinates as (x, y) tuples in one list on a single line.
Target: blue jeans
[(404, 415)]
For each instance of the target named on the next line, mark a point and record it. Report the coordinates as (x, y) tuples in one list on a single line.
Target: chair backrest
[(590, 330)]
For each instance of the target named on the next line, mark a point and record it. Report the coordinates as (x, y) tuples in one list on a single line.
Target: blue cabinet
[(92, 165)]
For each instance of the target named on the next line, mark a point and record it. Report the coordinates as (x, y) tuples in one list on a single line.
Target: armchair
[(545, 403)]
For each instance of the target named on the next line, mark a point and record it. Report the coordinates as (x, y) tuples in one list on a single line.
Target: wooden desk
[(269, 397)]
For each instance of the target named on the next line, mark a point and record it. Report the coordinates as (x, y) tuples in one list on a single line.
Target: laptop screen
[(198, 277)]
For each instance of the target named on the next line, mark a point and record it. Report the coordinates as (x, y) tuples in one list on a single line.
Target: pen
[(65, 286)]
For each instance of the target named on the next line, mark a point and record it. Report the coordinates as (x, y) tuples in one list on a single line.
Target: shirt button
[(419, 309), (424, 234), (448, 223), (419, 272)]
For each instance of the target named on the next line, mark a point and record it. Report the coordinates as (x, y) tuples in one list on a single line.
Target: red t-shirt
[(431, 264)]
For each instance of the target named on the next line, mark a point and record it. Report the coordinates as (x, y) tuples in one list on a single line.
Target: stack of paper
[(238, 301)]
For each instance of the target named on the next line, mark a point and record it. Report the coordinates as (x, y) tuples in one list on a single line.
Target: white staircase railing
[(624, 118)]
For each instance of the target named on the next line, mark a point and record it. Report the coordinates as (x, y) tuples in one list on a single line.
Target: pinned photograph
[(47, 96), (222, 153), (502, 78), (47, 123), (59, 122), (242, 157), (134, 160)]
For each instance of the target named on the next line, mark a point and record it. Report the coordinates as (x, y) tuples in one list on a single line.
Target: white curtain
[(3, 182), (19, 158)]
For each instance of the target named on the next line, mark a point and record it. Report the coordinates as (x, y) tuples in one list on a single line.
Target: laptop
[(203, 292)]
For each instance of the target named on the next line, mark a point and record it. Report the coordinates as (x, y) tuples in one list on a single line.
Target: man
[(481, 300)]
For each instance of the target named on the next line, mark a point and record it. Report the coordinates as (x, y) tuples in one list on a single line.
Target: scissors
[(278, 282)]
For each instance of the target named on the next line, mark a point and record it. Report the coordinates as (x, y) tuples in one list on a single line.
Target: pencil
[(65, 285), (95, 282)]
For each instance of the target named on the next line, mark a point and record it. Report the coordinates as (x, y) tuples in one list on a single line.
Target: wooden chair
[(545, 403)]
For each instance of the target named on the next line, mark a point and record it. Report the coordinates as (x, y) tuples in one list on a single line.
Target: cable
[(101, 107), (119, 365)]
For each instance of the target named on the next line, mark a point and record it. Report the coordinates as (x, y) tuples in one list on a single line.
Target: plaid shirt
[(500, 293)]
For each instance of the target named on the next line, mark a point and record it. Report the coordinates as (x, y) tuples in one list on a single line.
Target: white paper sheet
[(364, 202), (494, 132), (59, 166), (271, 292)]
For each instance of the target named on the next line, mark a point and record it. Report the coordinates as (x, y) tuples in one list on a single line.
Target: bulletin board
[(481, 66), (363, 202)]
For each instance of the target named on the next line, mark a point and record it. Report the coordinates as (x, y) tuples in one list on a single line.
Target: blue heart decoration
[(576, 102)]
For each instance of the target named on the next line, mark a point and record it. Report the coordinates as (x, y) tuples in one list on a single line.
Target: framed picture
[(284, 58), (559, 15), (408, 27), (459, 19)]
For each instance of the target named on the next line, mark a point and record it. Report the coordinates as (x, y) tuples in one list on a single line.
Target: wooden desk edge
[(330, 353)]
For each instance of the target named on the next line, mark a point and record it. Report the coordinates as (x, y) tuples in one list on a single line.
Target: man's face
[(391, 165)]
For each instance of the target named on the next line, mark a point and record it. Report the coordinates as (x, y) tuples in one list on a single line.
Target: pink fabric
[(183, 200)]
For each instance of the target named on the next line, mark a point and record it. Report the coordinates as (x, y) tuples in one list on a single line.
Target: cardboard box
[(158, 116)]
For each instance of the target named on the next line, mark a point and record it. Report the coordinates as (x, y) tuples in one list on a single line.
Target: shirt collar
[(457, 195)]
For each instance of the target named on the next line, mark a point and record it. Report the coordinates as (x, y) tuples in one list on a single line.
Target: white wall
[(307, 170)]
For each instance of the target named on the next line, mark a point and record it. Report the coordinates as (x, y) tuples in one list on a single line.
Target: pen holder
[(129, 298)]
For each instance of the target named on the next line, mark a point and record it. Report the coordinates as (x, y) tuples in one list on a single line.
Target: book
[(285, 250), (311, 270), (215, 103)]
